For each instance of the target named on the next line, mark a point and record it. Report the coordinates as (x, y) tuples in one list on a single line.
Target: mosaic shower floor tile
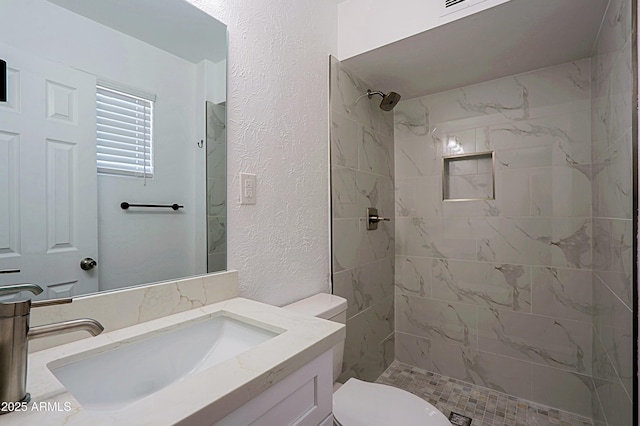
[(484, 406)]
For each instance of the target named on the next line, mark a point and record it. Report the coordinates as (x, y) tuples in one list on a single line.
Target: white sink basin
[(114, 376)]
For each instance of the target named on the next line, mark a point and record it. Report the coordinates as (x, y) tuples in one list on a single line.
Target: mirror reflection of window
[(124, 133), (117, 115)]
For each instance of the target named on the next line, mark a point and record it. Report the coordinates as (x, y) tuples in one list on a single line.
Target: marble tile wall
[(611, 124), (362, 172), (216, 187), (499, 292)]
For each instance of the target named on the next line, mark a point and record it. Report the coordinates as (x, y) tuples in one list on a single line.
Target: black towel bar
[(124, 205)]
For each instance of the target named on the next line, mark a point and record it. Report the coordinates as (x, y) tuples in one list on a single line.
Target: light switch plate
[(247, 188)]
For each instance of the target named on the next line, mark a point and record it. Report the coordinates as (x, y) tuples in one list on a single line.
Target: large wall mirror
[(111, 102)]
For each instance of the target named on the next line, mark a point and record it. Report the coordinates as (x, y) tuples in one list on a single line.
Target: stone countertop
[(218, 390)]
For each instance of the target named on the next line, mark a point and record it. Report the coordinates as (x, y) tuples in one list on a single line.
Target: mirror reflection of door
[(130, 53), (48, 182)]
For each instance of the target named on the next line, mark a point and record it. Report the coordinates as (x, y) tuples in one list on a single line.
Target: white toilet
[(358, 403)]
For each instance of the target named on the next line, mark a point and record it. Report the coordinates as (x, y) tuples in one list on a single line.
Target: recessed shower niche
[(468, 177)]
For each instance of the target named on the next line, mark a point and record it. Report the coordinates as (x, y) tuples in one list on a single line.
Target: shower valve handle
[(373, 218), (377, 219)]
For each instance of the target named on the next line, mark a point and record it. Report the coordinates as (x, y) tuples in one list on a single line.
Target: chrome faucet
[(14, 339), (17, 288)]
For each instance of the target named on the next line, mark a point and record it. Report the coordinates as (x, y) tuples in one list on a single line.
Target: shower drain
[(459, 420)]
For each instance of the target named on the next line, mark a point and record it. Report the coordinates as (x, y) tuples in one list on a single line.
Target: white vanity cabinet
[(303, 398), (285, 380)]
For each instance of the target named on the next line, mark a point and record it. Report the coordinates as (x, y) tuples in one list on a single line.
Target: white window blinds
[(124, 133)]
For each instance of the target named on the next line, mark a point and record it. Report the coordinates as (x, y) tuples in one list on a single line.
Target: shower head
[(389, 100)]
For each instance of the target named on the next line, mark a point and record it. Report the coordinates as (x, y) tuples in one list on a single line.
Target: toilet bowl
[(359, 403)]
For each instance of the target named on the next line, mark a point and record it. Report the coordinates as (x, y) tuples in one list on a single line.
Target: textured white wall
[(278, 129)]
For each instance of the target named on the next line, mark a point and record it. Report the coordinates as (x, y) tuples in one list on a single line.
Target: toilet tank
[(329, 307)]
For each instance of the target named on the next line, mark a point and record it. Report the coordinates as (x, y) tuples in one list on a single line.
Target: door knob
[(88, 263)]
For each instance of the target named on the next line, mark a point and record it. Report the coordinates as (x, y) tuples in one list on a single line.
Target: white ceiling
[(515, 37), (169, 25)]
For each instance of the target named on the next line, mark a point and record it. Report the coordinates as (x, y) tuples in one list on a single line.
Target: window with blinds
[(124, 133)]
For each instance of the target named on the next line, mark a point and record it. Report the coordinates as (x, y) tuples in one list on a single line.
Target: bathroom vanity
[(234, 362)]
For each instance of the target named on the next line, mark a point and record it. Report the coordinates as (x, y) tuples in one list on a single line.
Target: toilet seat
[(358, 403)]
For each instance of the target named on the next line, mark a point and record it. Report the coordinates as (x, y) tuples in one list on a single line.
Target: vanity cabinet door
[(304, 398)]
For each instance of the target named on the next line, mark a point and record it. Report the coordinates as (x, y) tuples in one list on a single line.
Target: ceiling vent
[(450, 3), (453, 6)]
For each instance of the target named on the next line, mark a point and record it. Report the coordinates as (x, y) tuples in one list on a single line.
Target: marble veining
[(490, 209), (344, 192), (613, 184), (487, 244), (475, 373), (413, 116), (343, 152), (372, 194), (481, 293), (422, 231), (574, 359), (360, 297), (511, 274), (613, 327), (573, 246), (521, 109), (345, 242), (578, 78), (365, 285), (447, 323), (613, 255), (558, 290), (586, 169), (375, 154), (216, 134), (410, 279), (617, 27), (216, 195), (474, 208), (217, 234), (412, 162), (401, 208), (539, 131), (376, 245)]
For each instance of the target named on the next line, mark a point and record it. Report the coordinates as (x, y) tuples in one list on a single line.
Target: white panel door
[(48, 182)]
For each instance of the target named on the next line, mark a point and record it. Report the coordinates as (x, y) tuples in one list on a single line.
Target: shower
[(389, 100)]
